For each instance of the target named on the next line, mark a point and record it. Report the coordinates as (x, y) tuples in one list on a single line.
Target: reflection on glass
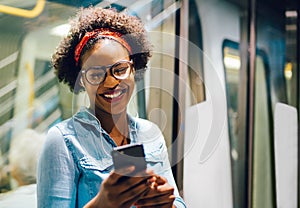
[(262, 155)]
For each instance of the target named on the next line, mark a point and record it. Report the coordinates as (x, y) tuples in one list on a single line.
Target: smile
[(114, 95)]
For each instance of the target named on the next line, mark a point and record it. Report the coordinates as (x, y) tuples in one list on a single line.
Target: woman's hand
[(121, 190), (159, 195)]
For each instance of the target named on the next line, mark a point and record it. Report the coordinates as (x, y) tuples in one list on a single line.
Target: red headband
[(102, 32)]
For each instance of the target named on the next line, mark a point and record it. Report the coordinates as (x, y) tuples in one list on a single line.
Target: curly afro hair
[(89, 19)]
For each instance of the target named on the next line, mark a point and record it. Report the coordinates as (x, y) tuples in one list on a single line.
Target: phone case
[(129, 155)]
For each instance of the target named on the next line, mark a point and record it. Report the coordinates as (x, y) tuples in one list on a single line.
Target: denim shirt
[(76, 159)]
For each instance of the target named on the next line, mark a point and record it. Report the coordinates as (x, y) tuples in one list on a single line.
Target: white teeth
[(112, 96)]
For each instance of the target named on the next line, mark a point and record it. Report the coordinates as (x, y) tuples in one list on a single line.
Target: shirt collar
[(85, 115)]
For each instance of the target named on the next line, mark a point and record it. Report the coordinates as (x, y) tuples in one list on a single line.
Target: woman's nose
[(110, 81)]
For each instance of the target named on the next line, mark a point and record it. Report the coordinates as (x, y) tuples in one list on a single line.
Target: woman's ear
[(81, 82)]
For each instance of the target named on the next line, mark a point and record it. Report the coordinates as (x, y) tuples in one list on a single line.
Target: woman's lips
[(113, 95)]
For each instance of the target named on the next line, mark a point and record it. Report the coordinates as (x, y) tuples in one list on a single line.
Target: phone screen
[(129, 155)]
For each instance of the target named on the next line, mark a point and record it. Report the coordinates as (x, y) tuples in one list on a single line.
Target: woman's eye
[(120, 70), (95, 74)]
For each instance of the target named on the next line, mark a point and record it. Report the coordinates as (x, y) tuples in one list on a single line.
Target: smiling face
[(112, 95)]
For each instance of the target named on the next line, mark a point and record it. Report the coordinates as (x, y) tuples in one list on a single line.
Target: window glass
[(290, 69), (232, 64), (195, 57), (262, 156)]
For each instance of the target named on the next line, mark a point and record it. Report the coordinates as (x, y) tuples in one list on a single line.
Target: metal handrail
[(37, 10)]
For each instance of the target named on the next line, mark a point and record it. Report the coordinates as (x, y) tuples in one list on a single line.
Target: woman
[(103, 54)]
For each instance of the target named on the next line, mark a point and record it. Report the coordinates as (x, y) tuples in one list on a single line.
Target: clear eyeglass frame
[(120, 70)]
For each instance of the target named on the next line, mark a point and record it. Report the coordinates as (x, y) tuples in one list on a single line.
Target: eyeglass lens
[(97, 74)]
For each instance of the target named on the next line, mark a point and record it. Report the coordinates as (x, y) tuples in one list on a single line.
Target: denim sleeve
[(179, 203), (166, 170), (155, 144), (56, 177)]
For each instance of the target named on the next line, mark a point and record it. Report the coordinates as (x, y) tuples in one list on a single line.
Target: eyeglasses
[(95, 75)]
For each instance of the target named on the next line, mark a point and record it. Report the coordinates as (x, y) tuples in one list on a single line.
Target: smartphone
[(129, 155)]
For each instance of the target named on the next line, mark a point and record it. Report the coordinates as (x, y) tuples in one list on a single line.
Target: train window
[(6, 100), (8, 65), (290, 69), (232, 64), (262, 156), (263, 134), (28, 88), (38, 87), (46, 93)]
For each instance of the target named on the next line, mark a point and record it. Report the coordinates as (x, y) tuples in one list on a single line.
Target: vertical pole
[(176, 109), (298, 94), (181, 60), (251, 97), (246, 103), (240, 196)]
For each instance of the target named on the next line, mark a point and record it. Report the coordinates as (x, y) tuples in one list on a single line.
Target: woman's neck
[(116, 125)]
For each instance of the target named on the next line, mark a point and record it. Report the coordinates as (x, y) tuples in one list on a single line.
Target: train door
[(255, 83), (253, 72), (276, 34), (207, 161)]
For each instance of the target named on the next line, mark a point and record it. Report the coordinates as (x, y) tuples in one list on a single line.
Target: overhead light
[(291, 14), (61, 30)]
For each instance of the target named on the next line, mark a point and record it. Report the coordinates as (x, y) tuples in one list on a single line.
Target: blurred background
[(223, 86)]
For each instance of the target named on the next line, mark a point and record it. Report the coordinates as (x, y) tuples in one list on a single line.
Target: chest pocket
[(92, 166), (156, 157), (92, 174)]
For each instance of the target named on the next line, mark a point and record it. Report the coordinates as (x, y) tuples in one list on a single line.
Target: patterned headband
[(102, 32)]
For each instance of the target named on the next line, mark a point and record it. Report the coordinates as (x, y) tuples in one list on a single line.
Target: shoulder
[(64, 127), (148, 132), (56, 133), (147, 127), (54, 149), (54, 137)]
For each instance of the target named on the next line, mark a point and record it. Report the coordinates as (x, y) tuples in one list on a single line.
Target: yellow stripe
[(39, 7), (31, 84)]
